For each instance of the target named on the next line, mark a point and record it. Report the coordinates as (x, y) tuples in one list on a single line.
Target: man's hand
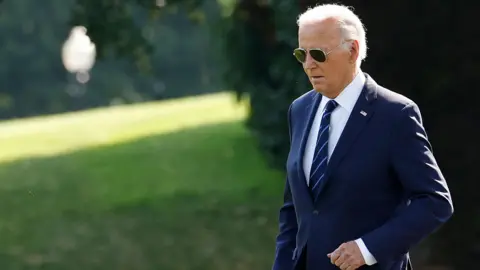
[(347, 256)]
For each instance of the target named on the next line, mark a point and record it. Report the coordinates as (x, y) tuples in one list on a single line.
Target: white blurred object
[(161, 3), (78, 53)]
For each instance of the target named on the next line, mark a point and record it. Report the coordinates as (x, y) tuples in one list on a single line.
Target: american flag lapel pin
[(363, 113)]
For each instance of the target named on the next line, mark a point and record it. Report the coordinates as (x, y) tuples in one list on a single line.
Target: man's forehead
[(318, 34)]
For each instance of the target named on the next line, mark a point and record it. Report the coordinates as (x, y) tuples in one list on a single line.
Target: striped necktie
[(320, 157)]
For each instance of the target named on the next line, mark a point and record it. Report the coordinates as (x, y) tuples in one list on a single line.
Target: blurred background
[(168, 151)]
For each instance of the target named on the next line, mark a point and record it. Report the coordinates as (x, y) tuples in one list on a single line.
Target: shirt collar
[(348, 97)]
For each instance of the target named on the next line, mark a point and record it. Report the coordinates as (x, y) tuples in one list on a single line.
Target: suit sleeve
[(286, 238), (430, 204)]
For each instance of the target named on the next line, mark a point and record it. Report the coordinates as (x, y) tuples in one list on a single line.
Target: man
[(362, 185)]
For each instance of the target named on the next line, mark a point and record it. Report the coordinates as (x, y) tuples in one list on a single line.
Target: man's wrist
[(367, 256)]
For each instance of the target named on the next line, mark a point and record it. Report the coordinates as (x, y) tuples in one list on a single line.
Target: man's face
[(333, 75)]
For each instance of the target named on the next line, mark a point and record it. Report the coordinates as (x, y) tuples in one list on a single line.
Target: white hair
[(351, 27)]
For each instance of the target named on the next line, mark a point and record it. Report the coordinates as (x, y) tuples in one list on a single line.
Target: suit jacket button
[(315, 212)]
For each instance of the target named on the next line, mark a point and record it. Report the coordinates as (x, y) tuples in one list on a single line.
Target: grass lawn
[(165, 185)]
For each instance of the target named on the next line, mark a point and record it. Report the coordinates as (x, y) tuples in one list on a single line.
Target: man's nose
[(309, 61)]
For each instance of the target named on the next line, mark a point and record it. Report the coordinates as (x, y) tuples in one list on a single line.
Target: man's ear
[(354, 50)]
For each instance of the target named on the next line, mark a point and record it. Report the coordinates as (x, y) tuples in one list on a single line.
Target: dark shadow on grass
[(199, 198)]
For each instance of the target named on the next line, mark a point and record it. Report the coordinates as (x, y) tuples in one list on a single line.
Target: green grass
[(166, 185)]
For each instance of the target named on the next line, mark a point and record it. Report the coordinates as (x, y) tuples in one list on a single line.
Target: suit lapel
[(361, 113), (310, 112)]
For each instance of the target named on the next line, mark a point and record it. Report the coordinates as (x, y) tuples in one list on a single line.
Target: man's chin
[(319, 89), (324, 92)]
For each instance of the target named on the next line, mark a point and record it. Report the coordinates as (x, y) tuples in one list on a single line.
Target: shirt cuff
[(367, 256)]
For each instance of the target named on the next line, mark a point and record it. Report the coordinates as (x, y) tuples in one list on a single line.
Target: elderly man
[(362, 185)]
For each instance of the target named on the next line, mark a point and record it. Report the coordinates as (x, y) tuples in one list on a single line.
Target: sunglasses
[(318, 55)]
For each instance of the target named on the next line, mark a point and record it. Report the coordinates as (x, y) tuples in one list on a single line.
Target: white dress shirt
[(346, 101)]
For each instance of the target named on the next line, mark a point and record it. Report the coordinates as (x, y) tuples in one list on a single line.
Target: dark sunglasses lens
[(318, 55), (300, 54)]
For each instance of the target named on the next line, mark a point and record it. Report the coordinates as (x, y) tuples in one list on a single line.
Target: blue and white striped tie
[(320, 157)]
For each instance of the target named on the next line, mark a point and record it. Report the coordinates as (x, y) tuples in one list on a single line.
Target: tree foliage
[(143, 55)]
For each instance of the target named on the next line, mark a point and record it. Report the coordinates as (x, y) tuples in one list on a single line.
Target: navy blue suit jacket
[(382, 185)]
